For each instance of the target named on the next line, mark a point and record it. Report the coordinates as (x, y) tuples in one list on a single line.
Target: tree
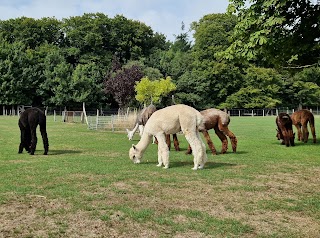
[(206, 82), (262, 88), (86, 84), (32, 32), (20, 74), (56, 88), (275, 33), (153, 90), (303, 88), (120, 83)]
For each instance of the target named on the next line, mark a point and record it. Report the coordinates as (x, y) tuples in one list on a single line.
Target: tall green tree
[(276, 33), (262, 88), (303, 88), (86, 84), (32, 32), (20, 74), (56, 90), (207, 81)]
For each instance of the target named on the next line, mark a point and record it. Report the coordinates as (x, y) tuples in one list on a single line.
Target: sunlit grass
[(263, 190)]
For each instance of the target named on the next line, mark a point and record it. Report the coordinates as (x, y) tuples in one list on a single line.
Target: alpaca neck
[(144, 142), (135, 128)]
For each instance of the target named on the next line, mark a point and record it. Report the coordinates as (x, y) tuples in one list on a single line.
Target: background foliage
[(265, 54)]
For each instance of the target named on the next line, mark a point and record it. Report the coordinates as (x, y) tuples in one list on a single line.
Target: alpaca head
[(130, 134), (135, 154)]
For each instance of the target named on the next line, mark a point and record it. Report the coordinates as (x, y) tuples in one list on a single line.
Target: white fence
[(265, 112), (111, 123), (122, 120)]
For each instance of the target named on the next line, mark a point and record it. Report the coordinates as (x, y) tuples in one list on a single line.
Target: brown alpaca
[(284, 131), (300, 120), (219, 121)]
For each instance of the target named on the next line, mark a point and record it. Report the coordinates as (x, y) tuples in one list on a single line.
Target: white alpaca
[(171, 120)]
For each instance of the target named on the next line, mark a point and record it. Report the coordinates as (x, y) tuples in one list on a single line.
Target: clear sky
[(163, 16)]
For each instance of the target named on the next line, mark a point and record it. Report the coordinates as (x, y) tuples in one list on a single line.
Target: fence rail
[(117, 120)]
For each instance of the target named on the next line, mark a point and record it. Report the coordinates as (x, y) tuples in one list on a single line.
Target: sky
[(163, 16)]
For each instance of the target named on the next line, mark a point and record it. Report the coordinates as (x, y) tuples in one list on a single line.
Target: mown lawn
[(88, 187)]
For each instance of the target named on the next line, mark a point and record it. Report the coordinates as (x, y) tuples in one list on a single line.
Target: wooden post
[(84, 112)]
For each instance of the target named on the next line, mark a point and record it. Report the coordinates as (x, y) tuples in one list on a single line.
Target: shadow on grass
[(208, 165), (61, 152)]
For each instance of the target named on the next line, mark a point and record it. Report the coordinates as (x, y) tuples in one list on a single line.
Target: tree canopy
[(276, 33), (258, 54)]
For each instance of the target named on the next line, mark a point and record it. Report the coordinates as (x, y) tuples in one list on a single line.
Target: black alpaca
[(28, 122)]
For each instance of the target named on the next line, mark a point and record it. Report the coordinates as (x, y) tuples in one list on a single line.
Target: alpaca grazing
[(284, 131), (141, 121), (219, 121), (28, 122), (171, 120), (300, 120)]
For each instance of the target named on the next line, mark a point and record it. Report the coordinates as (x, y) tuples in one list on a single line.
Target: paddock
[(87, 187)]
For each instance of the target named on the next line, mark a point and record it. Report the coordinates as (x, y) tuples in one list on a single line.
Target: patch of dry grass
[(88, 187)]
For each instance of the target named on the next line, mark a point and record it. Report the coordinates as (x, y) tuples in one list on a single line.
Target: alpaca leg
[(163, 151), (189, 150), (22, 139), (159, 157), (209, 142), (305, 132), (299, 132), (286, 138), (223, 140), (198, 149), (27, 139), (291, 137), (44, 139), (203, 159), (155, 140), (313, 132), (233, 138), (176, 142), (33, 140), (168, 141), (141, 127)]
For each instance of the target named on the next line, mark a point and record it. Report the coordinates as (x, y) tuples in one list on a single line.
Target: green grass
[(87, 186)]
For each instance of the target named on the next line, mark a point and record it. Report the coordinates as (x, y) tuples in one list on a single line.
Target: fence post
[(54, 115), (112, 120), (239, 113), (97, 119)]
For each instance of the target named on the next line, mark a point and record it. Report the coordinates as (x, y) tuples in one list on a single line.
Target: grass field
[(88, 187)]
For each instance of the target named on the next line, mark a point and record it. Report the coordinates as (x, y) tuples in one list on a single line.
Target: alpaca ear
[(133, 146), (127, 130)]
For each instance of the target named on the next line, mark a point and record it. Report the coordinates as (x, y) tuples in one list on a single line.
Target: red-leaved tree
[(120, 82)]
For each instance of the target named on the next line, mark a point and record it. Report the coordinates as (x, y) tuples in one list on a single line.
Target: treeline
[(234, 61)]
